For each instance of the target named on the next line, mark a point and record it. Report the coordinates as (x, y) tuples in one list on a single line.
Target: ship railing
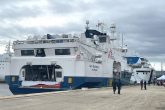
[(97, 48), (46, 41)]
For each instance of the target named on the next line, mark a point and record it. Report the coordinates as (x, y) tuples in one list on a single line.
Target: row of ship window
[(2, 68), (3, 61), (41, 52), (143, 73), (2, 64)]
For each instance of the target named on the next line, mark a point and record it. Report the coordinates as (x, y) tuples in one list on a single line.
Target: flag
[(110, 53)]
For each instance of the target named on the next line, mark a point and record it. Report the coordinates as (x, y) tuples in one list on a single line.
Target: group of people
[(116, 84), (143, 83)]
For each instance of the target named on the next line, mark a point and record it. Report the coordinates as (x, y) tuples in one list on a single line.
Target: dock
[(131, 98), (4, 90)]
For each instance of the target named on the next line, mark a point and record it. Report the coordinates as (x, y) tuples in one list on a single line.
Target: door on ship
[(58, 73), (51, 73), (22, 75)]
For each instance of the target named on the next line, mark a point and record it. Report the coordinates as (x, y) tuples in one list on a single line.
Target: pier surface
[(4, 90), (131, 98)]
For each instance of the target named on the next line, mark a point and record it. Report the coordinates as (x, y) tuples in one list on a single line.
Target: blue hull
[(68, 83)]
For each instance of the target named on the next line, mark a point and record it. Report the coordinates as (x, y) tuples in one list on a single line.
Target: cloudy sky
[(141, 21)]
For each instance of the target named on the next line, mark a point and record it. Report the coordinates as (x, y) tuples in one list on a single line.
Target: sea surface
[(4, 90)]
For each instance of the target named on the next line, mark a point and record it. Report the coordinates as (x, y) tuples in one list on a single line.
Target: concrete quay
[(131, 98)]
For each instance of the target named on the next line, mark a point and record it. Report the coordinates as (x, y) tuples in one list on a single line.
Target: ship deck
[(131, 98)]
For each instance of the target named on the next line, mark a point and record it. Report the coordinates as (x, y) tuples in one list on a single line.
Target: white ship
[(5, 61), (59, 62), (142, 70)]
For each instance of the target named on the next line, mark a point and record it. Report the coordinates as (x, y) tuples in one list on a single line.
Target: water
[(4, 90)]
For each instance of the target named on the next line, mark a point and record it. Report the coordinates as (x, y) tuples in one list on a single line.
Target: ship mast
[(161, 67), (8, 51), (87, 24), (113, 30), (122, 41)]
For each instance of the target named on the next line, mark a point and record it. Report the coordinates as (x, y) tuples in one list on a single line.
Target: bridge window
[(27, 52), (102, 39), (62, 51), (40, 52)]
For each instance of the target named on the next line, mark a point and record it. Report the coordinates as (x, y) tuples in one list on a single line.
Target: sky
[(142, 22)]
